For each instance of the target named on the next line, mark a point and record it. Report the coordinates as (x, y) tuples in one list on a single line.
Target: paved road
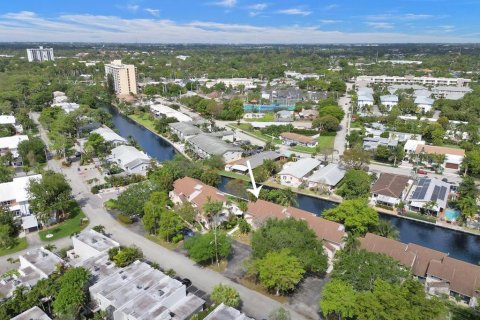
[(341, 137), (255, 304), (407, 170)]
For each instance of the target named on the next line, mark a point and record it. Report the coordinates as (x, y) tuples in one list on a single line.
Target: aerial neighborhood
[(139, 182)]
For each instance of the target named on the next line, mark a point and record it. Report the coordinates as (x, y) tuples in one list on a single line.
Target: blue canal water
[(153, 145), (459, 245)]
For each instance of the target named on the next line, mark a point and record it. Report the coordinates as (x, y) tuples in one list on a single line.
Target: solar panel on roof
[(443, 192), (435, 193), (421, 189)]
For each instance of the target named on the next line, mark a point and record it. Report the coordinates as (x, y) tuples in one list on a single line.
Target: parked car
[(186, 282), (420, 171)]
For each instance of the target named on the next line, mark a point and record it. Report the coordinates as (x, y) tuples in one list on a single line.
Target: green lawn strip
[(268, 117), (325, 142), (420, 216), (66, 228), (233, 175), (164, 243), (21, 244), (147, 123)]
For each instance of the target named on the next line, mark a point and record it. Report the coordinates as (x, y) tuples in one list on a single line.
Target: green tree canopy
[(331, 110), (279, 271), (355, 214), (32, 151), (227, 295), (361, 268), (201, 247), (294, 235), (355, 184), (51, 195)]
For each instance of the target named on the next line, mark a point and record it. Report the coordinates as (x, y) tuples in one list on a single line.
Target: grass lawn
[(110, 204), (324, 142), (356, 124), (163, 243), (66, 228), (222, 265), (268, 117), (20, 245), (144, 121), (234, 175), (259, 288), (242, 237)]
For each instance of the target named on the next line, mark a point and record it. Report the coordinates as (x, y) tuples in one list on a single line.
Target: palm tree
[(386, 229), (351, 242), (468, 206), (287, 198)]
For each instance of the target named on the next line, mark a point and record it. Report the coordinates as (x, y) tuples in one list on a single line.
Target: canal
[(459, 245)]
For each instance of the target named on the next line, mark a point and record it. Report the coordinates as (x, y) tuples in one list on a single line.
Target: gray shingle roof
[(257, 159), (212, 145), (186, 128), (330, 175), (300, 168)]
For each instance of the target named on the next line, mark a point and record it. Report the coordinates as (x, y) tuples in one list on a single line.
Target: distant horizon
[(365, 44), (241, 21)]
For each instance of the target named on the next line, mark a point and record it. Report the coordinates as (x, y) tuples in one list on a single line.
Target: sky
[(241, 21)]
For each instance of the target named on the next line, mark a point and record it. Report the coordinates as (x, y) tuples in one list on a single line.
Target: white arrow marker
[(255, 191)]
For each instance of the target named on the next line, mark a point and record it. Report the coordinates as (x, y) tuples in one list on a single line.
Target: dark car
[(187, 233), (186, 282), (78, 154)]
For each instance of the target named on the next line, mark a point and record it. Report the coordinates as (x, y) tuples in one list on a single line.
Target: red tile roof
[(463, 277), (393, 248), (330, 231), (297, 137), (324, 229), (186, 187), (439, 150)]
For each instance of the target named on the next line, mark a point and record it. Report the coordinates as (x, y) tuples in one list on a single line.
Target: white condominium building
[(41, 54), (411, 80), (124, 77)]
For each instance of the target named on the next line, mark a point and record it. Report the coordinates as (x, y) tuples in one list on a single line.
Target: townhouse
[(439, 273), (198, 194)]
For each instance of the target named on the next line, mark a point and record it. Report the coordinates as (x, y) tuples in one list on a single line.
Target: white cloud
[(258, 6), (329, 21), (132, 7), (399, 17), (380, 25), (330, 6), (226, 3), (295, 11), (28, 26), (153, 12)]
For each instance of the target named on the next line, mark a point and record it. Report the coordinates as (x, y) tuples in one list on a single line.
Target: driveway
[(236, 268), (306, 297)]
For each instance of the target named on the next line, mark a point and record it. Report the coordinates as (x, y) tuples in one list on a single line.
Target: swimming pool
[(451, 214)]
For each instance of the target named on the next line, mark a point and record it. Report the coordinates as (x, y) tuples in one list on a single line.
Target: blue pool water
[(451, 214)]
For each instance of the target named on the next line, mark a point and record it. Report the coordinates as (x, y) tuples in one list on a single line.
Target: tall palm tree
[(468, 207)]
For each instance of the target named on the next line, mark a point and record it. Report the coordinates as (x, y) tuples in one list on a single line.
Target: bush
[(124, 219), (243, 226), (124, 256), (94, 189)]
